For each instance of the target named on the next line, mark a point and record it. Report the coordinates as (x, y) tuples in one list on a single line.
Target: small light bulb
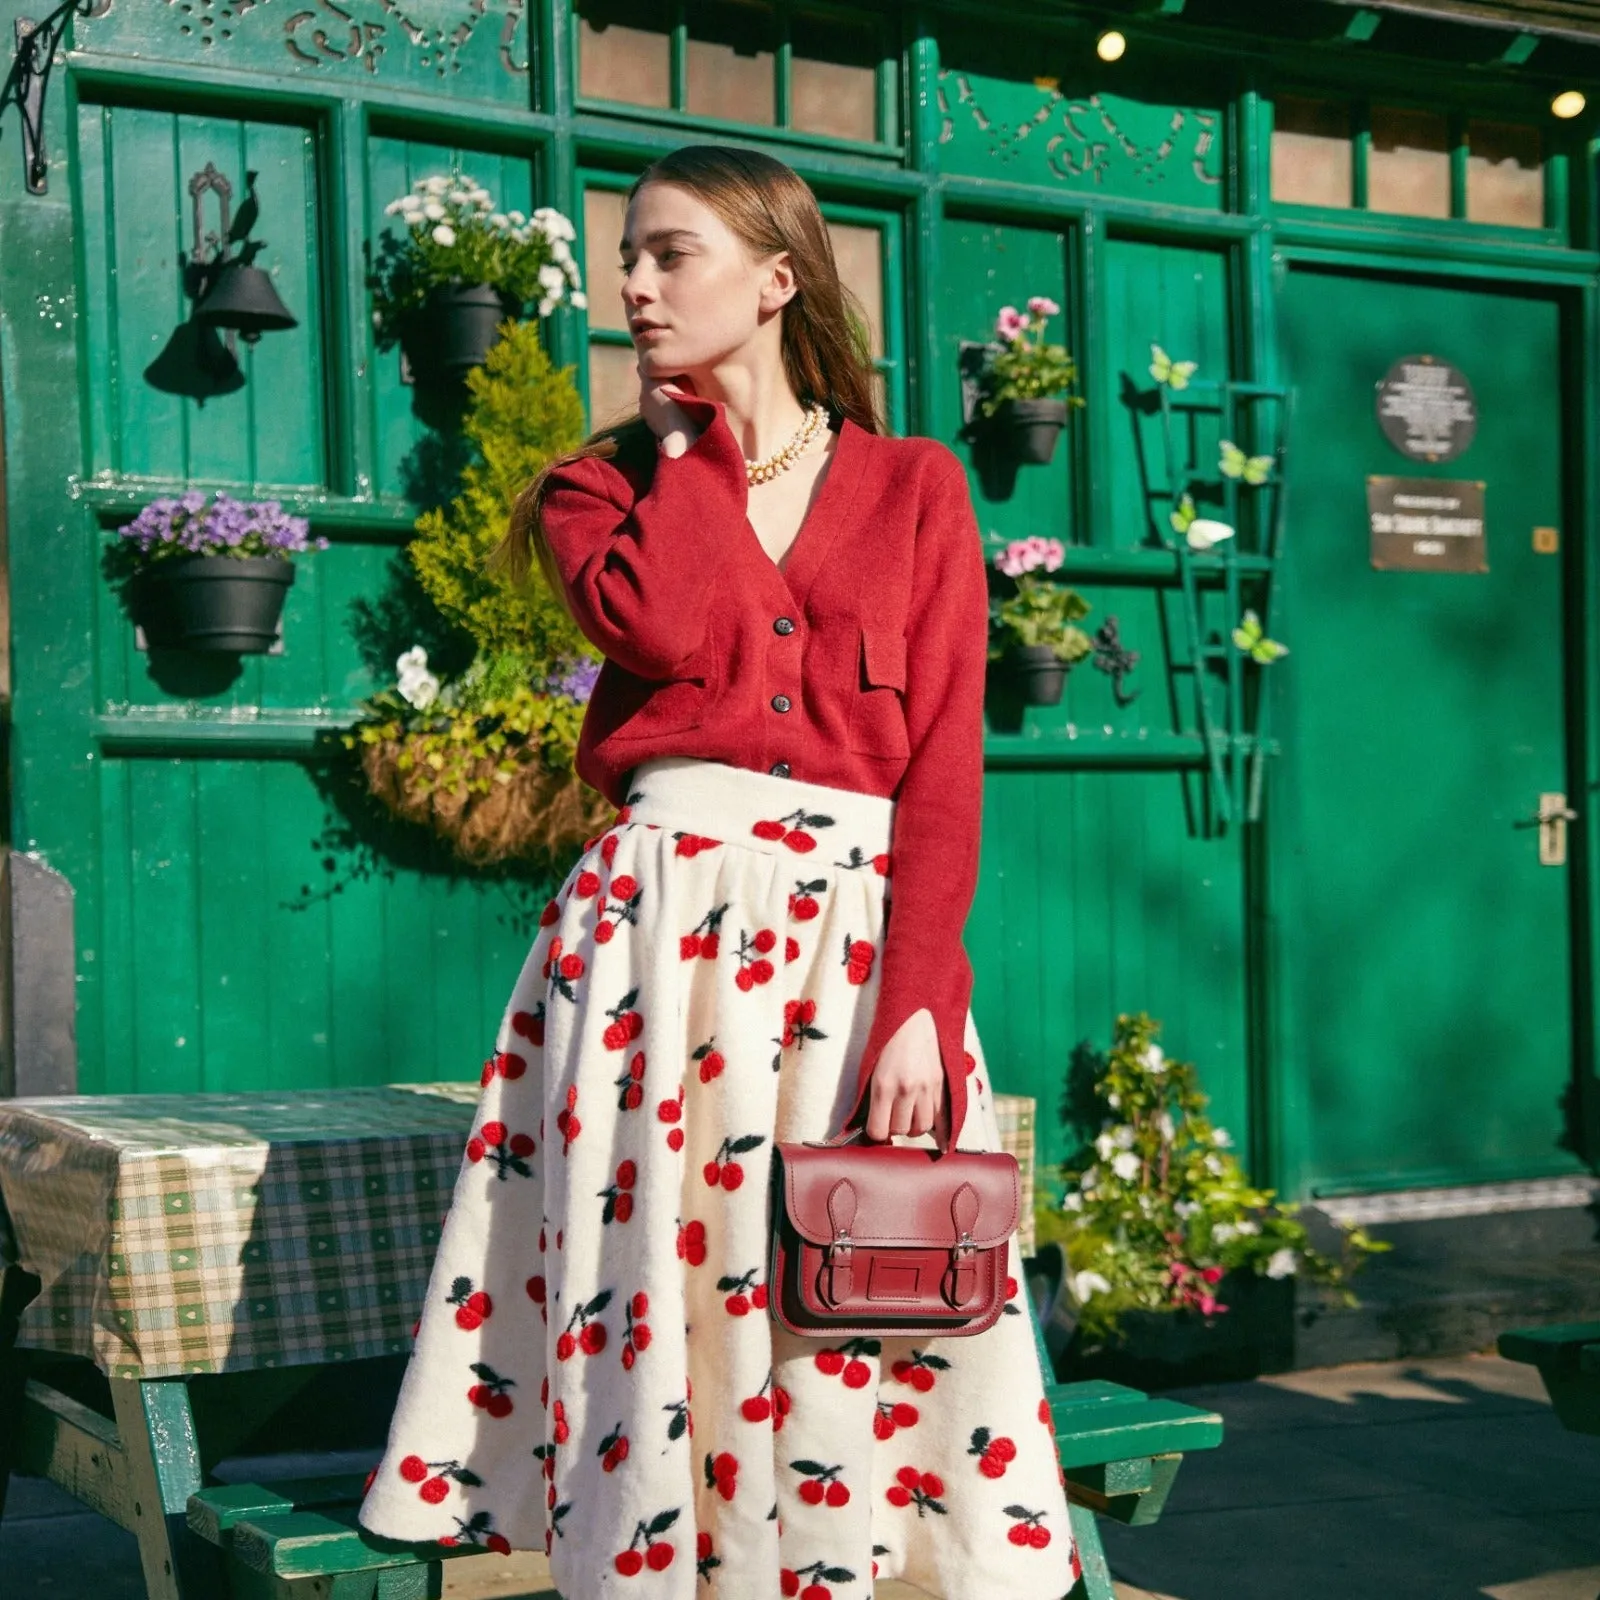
[(1110, 45), (1569, 103)]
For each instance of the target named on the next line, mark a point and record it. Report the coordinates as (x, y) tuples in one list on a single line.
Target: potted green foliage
[(1032, 629), (1023, 385), (461, 269), (1172, 1255), (484, 759), (210, 576)]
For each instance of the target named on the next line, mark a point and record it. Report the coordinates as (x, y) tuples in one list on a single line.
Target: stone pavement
[(1442, 1479)]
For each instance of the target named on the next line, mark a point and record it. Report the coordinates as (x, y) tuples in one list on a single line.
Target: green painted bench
[(1568, 1358), (1120, 1451)]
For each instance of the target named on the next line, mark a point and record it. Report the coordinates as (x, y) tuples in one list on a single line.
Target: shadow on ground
[(1438, 1479)]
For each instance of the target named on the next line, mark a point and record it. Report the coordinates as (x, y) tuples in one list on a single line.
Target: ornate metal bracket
[(1111, 656), (29, 78)]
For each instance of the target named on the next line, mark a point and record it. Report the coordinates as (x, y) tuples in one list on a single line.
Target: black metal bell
[(243, 298)]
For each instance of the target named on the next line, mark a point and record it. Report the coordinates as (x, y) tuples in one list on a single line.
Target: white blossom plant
[(456, 234), (1157, 1210)]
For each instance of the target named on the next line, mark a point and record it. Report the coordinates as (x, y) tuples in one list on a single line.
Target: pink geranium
[(1042, 306), (1010, 324), (1026, 555)]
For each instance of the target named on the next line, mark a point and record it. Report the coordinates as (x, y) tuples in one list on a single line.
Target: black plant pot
[(1038, 672), (454, 330), (215, 603), (1027, 430), (1168, 1349)]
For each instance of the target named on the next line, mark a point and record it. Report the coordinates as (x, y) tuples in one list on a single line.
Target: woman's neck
[(762, 412)]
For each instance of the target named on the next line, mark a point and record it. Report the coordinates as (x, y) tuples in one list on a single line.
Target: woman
[(793, 612)]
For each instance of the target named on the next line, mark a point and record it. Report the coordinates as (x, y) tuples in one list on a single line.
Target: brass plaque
[(1546, 541), (1427, 524)]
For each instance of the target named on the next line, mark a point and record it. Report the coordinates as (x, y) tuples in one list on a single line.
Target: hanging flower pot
[(1040, 674), (1028, 429), (461, 268), (1022, 383), (454, 330), (209, 577), (227, 603)]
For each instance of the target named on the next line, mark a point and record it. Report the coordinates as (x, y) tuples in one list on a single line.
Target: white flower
[(498, 219), (1164, 1125), (458, 197), (516, 217), (413, 660), (1085, 1285), (1104, 1145), (434, 185), (434, 210), (579, 299), (444, 234), (1125, 1136), (1072, 1202), (1221, 1136), (1087, 1178), (1114, 1101), (1155, 1060), (1248, 1226), (552, 278), (394, 206), (421, 690), (1126, 1165), (1223, 1232), (1185, 1208), (546, 307), (560, 251), (1282, 1264), (1213, 1163)]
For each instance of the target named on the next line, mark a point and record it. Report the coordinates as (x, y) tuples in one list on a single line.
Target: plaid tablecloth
[(219, 1232), (222, 1232)]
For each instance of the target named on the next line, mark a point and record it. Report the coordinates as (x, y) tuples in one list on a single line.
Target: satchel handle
[(854, 1131), (947, 1120)]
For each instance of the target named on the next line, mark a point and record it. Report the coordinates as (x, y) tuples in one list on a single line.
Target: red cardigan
[(874, 634)]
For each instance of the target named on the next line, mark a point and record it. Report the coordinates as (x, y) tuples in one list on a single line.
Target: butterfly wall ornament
[(1251, 638), (1175, 374), (1202, 533), (1253, 470)]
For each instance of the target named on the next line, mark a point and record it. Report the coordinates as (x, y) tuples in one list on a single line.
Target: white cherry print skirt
[(595, 1371)]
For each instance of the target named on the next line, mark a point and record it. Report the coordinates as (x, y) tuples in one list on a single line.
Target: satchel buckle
[(836, 1266)]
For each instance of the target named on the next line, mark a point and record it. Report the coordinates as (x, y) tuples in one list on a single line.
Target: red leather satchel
[(889, 1239)]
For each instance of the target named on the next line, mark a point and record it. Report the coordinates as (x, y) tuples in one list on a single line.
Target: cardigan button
[(779, 769), (780, 702), (783, 625)]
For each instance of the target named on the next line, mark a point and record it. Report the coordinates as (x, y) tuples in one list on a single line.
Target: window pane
[(603, 213), (833, 79), (731, 61), (1311, 152), (624, 53), (613, 384), (1408, 170), (1505, 174), (859, 254)]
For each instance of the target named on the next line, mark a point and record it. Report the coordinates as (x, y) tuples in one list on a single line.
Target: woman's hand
[(666, 419), (908, 1080)]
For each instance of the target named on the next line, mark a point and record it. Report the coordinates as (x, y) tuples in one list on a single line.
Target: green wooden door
[(1423, 951)]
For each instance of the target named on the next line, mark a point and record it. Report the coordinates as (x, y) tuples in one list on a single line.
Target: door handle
[(1551, 820)]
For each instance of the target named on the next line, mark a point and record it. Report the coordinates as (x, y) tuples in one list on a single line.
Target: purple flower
[(576, 681), (188, 526)]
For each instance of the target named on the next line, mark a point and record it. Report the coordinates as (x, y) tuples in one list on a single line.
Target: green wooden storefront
[(1382, 983)]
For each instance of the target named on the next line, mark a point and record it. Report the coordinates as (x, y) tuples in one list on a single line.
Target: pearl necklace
[(781, 460)]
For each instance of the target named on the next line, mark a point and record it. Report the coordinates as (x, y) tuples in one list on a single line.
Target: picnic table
[(1567, 1355), (178, 1273)]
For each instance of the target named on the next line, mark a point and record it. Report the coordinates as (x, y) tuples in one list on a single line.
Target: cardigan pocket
[(632, 707), (877, 710)]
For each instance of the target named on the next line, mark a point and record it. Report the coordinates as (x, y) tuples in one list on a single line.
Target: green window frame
[(889, 141)]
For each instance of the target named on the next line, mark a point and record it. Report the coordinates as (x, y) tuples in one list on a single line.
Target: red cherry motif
[(858, 958), (740, 1294), (994, 1452), (891, 1416), (619, 1201), (567, 1119), (626, 1024), (791, 948), (656, 1555), (845, 1361), (608, 847), (692, 1243), (473, 1307), (413, 1469), (1028, 1529), (920, 1370), (798, 1016), (636, 1331), (506, 1151), (821, 1484), (691, 844), (722, 1169), (613, 1449), (591, 1334), (803, 903), (588, 885), (920, 1488), (631, 1084), (881, 864), (489, 1393), (722, 1473), (550, 914), (711, 1062)]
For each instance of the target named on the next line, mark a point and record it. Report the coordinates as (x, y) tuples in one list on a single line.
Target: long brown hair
[(769, 207)]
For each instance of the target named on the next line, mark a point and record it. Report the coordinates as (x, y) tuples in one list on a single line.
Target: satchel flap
[(904, 1194)]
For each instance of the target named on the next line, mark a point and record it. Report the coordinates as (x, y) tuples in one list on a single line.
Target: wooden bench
[(1568, 1358), (1120, 1451)]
